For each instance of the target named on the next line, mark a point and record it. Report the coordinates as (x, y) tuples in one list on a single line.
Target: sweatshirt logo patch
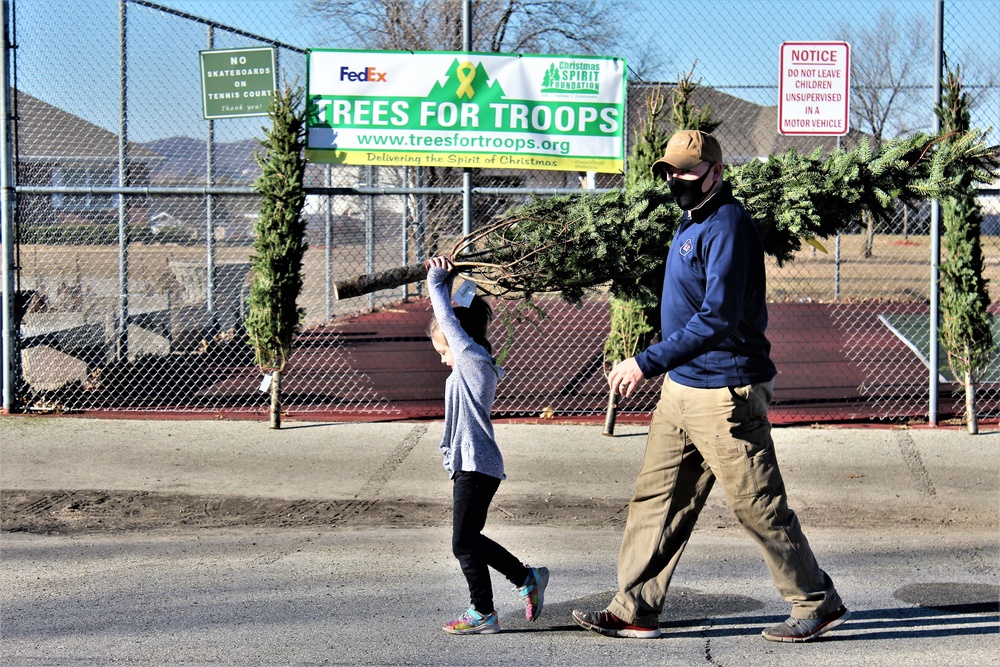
[(686, 247)]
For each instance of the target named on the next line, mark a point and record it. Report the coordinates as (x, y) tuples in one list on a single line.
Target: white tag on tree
[(463, 295), (265, 382)]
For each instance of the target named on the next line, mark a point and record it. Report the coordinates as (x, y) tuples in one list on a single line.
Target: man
[(711, 420)]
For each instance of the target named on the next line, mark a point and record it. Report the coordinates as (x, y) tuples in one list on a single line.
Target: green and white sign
[(457, 109), (237, 82)]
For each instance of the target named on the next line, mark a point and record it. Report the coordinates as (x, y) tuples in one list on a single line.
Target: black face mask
[(688, 194)]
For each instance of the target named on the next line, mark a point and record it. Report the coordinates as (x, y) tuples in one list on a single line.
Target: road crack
[(915, 464)]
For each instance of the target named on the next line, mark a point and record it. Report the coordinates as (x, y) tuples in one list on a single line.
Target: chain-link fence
[(134, 216)]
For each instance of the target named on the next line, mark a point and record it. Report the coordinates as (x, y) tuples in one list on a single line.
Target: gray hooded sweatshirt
[(468, 443)]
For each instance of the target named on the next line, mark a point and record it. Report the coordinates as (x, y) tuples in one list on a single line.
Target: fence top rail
[(358, 190), (214, 24), (251, 192)]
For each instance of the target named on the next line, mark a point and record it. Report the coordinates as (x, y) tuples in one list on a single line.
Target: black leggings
[(476, 553)]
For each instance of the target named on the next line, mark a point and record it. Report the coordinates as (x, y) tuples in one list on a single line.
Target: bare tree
[(888, 61), (507, 26), (888, 76), (981, 77), (646, 61)]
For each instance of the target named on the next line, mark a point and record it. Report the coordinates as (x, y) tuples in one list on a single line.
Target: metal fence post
[(836, 258), (419, 240), (209, 210), (932, 413), (466, 172), (7, 231), (405, 241), (370, 229), (121, 347), (328, 239)]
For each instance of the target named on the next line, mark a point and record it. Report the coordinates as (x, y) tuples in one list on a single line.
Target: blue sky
[(69, 49)]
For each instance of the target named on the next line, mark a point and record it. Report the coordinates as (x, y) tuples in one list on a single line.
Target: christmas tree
[(573, 243), (274, 318), (965, 323)]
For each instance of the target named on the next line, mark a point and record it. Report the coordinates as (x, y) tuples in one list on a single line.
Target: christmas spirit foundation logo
[(573, 76)]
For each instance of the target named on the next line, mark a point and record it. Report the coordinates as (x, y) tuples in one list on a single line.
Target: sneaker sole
[(475, 631), (543, 581), (799, 640), (652, 633)]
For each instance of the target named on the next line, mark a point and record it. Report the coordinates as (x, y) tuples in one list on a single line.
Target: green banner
[(481, 110)]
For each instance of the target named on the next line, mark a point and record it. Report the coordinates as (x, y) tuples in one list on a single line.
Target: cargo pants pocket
[(750, 468)]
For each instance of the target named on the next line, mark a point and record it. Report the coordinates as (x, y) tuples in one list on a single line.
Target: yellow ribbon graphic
[(466, 74)]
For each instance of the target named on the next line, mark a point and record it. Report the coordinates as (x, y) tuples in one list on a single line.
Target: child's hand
[(441, 262)]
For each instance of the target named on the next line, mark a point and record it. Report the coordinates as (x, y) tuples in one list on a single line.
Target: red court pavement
[(381, 365)]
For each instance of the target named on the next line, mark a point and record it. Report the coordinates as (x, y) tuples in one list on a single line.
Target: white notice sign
[(814, 90)]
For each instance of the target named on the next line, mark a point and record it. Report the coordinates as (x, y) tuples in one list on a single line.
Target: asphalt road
[(328, 544)]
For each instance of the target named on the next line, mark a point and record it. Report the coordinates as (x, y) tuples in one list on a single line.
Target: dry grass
[(898, 269), (68, 275)]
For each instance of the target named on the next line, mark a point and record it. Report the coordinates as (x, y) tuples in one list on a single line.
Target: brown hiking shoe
[(605, 623)]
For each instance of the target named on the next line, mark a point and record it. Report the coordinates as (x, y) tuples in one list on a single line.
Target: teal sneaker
[(532, 592), (473, 623)]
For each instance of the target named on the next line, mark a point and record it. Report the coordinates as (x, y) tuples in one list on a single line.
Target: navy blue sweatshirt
[(713, 309)]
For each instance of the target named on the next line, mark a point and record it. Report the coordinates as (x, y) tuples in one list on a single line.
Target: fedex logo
[(367, 74)]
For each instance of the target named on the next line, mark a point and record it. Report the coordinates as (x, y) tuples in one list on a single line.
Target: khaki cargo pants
[(697, 436)]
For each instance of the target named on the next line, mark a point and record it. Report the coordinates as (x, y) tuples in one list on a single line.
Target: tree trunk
[(869, 234), (373, 282), (970, 404), (276, 399), (612, 414)]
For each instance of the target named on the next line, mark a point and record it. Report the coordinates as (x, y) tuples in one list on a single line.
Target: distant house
[(162, 221), (57, 148)]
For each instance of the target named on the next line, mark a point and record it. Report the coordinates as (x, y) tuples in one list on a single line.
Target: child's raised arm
[(440, 276)]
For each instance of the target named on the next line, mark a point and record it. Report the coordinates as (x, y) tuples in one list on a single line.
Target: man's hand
[(625, 377)]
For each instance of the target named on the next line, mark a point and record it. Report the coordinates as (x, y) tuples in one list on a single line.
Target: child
[(471, 454)]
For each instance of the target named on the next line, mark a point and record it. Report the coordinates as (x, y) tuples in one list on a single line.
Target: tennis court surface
[(914, 331)]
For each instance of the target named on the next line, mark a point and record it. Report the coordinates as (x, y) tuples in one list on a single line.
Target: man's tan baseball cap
[(686, 149)]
